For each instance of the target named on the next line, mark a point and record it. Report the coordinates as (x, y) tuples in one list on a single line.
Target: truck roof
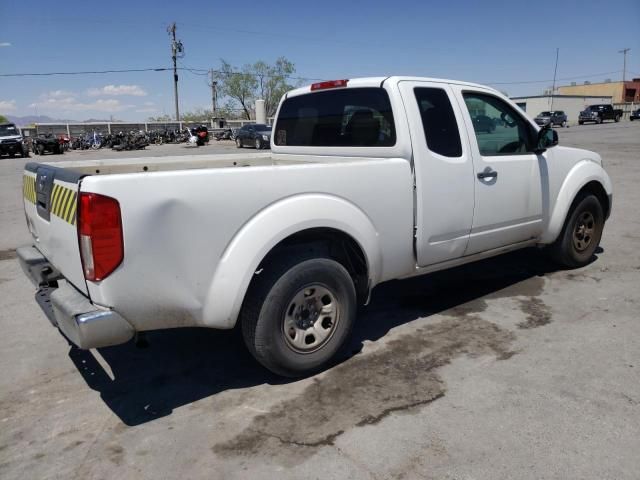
[(378, 81)]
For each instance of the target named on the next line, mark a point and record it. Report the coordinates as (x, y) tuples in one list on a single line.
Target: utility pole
[(214, 94), (177, 51), (624, 68), (555, 71)]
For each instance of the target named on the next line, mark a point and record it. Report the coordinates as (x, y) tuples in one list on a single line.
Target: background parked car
[(599, 113), (11, 141), (256, 135), (635, 115), (557, 117)]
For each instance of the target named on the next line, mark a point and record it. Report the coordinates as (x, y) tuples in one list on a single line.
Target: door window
[(499, 129), (438, 121)]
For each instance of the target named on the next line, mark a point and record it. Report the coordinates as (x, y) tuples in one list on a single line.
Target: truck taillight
[(99, 235)]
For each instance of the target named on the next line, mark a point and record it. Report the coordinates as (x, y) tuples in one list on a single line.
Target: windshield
[(545, 114), (6, 130)]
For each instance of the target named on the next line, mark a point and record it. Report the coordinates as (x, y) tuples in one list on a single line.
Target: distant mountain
[(29, 119)]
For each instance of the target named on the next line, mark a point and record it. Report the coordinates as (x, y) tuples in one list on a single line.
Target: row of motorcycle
[(134, 140)]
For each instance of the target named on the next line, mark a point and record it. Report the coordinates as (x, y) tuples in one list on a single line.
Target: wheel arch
[(586, 176), (321, 222)]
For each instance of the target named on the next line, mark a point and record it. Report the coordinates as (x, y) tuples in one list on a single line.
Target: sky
[(508, 44)]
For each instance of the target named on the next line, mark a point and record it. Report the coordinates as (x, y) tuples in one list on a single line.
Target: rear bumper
[(82, 322)]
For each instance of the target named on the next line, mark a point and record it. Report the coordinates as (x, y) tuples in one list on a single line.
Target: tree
[(272, 82), (3, 119), (260, 80)]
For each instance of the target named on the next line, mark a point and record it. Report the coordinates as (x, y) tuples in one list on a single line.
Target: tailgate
[(50, 205)]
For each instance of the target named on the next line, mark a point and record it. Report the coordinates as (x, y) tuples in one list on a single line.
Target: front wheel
[(238, 143), (581, 233), (564, 124), (298, 314), (599, 120), (258, 144)]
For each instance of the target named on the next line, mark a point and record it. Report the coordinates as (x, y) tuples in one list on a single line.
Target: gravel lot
[(504, 369)]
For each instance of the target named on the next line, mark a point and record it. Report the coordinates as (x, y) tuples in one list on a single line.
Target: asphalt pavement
[(503, 369)]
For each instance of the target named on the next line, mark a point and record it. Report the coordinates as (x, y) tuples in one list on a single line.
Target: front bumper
[(82, 322), (11, 147)]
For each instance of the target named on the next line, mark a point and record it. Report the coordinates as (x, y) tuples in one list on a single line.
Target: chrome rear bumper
[(82, 322)]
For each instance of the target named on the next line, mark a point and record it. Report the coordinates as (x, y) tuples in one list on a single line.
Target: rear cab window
[(350, 117), (438, 121)]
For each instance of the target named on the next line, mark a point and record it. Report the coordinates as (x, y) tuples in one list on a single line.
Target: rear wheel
[(599, 120), (581, 233), (298, 314), (563, 124), (617, 119)]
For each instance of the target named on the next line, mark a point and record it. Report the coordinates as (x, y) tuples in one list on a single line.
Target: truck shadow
[(182, 366)]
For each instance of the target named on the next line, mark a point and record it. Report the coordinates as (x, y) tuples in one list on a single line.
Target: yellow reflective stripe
[(54, 195), (29, 188), (63, 201), (71, 217), (67, 206)]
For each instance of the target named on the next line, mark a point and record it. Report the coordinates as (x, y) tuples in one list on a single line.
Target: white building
[(572, 105)]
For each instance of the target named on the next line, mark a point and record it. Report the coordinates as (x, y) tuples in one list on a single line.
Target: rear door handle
[(488, 173)]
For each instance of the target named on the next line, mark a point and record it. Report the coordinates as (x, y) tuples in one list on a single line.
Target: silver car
[(557, 117)]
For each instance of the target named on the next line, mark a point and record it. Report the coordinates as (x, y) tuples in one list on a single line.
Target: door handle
[(487, 174)]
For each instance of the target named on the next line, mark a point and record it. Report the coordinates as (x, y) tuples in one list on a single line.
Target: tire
[(564, 124), (289, 337), (581, 233), (617, 119), (238, 143), (258, 144), (40, 150), (599, 120), (580, 122)]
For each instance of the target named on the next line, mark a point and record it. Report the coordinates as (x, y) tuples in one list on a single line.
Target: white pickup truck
[(368, 180)]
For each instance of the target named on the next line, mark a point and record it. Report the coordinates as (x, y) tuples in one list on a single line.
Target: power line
[(522, 82), (205, 72), (85, 72)]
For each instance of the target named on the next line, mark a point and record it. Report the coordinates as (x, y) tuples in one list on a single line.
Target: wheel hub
[(310, 319), (583, 232)]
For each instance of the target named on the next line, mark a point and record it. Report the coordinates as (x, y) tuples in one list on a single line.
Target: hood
[(580, 153)]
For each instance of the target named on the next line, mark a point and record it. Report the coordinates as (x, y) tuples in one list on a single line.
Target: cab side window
[(498, 127), (438, 121)]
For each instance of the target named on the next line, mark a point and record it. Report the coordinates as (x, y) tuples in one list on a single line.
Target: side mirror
[(547, 138)]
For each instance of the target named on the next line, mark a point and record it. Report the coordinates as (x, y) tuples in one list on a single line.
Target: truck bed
[(172, 163)]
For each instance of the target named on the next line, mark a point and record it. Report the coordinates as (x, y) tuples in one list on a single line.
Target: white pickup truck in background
[(368, 180)]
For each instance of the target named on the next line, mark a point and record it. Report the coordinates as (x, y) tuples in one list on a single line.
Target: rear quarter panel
[(179, 225)]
